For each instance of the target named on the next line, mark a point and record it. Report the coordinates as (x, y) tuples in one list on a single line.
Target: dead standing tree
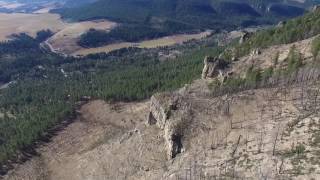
[(276, 139), (261, 130)]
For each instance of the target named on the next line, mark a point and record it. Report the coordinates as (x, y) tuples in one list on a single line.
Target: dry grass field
[(32, 23), (28, 23), (65, 41), (66, 34), (160, 42)]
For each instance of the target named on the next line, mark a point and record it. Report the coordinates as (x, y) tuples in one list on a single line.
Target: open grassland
[(65, 41), (170, 40), (28, 23), (159, 42), (67, 34)]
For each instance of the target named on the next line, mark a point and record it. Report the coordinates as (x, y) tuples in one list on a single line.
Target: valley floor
[(66, 36)]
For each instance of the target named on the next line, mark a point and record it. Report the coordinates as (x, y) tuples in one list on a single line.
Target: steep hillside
[(43, 89), (254, 113), (269, 132)]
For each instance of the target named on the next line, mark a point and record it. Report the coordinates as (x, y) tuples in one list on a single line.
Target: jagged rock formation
[(281, 24), (159, 112), (316, 8), (170, 115), (255, 52), (245, 36), (213, 66)]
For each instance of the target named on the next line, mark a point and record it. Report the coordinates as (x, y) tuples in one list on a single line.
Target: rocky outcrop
[(171, 115), (223, 76), (173, 134), (244, 37), (212, 67), (281, 24), (159, 110), (316, 8), (255, 52)]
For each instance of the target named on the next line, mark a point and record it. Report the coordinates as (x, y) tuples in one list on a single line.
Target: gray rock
[(255, 52), (212, 66), (316, 8), (244, 37), (281, 24), (171, 116)]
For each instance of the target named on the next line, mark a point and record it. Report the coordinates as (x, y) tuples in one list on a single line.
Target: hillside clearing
[(66, 33), (28, 23), (154, 43), (65, 41)]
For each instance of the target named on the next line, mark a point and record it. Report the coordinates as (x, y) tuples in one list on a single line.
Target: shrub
[(266, 74), (315, 47), (253, 76), (294, 60), (299, 149), (276, 58)]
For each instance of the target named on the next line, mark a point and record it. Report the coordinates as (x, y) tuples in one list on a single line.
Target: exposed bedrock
[(172, 115), (215, 67)]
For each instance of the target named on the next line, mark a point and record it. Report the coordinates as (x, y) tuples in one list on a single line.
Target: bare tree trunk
[(236, 147), (281, 166), (275, 141), (261, 142)]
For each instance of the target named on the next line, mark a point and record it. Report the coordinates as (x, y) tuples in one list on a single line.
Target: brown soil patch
[(103, 143)]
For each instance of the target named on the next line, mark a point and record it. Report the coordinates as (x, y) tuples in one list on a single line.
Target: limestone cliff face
[(159, 111), (170, 114)]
